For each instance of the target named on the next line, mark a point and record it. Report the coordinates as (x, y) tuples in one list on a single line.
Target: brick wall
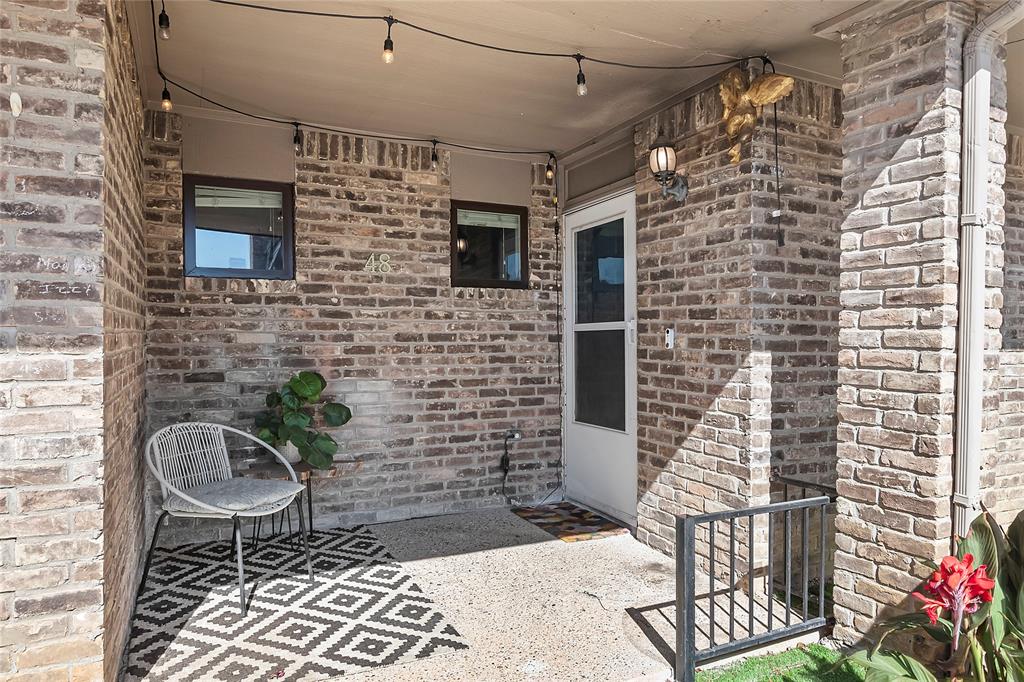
[(1006, 488), (753, 321), (434, 374), (1003, 496), (901, 147), (1013, 247), (51, 336), (123, 330), (796, 286)]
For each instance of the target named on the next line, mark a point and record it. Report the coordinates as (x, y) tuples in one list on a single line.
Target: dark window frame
[(188, 224), (524, 246)]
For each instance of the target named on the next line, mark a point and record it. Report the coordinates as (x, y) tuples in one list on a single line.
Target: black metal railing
[(740, 534), (795, 488)]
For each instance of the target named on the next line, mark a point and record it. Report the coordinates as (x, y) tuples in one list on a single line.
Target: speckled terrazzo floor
[(531, 607)]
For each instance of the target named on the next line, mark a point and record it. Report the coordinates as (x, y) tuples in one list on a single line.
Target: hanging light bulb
[(165, 98), (164, 22), (297, 139), (549, 171), (433, 155), (581, 80), (389, 45)]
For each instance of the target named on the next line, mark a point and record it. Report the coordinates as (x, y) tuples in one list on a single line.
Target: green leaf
[(1015, 534), (298, 437), (981, 544), (290, 400), (297, 419), (323, 382), (319, 452), (336, 414), (307, 385), (325, 444), (273, 399), (1013, 665), (942, 631), (891, 666), (284, 433), (996, 616), (266, 435)]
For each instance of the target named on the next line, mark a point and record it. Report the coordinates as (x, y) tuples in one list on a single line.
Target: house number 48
[(378, 263)]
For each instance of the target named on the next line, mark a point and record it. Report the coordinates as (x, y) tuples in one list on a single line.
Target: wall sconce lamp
[(663, 168)]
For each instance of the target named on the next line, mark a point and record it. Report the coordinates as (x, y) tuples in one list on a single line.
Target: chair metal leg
[(291, 539), (149, 555), (305, 540), (241, 570)]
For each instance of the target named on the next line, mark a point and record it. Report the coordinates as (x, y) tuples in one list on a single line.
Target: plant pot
[(290, 452)]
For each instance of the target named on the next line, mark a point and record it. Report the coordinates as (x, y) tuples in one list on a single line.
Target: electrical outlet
[(670, 338), (513, 434)]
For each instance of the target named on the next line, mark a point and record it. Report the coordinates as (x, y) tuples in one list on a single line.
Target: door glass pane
[(600, 273), (601, 378)]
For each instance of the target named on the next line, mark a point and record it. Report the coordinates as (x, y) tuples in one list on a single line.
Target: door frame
[(628, 199)]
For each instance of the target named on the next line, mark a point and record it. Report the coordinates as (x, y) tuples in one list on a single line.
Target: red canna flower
[(956, 587)]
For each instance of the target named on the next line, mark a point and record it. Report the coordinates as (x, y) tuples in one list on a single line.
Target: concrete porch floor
[(530, 605)]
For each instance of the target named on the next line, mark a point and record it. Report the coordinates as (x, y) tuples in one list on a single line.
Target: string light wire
[(318, 126), (473, 43), (392, 21), (780, 235)]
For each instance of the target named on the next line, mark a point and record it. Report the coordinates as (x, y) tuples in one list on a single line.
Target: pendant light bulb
[(581, 80), (581, 85), (297, 139), (165, 99), (433, 156), (388, 56), (549, 171), (164, 22)]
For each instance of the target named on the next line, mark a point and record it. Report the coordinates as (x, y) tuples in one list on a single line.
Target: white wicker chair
[(190, 461)]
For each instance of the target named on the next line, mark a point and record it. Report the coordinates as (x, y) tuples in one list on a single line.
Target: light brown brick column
[(901, 145)]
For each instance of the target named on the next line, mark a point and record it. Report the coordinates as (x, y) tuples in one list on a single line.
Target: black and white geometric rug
[(364, 612)]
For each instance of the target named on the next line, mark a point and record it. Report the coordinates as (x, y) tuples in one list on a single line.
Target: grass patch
[(811, 663)]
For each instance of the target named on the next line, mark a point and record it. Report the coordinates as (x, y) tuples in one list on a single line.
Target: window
[(489, 245), (238, 228)]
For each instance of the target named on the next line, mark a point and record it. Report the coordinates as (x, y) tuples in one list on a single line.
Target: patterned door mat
[(364, 612), (570, 523)]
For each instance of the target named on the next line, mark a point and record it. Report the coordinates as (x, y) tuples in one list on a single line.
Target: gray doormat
[(364, 612)]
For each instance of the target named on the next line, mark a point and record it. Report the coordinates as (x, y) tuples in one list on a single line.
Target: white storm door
[(600, 357)]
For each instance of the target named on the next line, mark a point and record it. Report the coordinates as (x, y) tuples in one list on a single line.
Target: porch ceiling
[(330, 71)]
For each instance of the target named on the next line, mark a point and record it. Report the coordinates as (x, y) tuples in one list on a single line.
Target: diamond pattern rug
[(364, 612), (570, 523)]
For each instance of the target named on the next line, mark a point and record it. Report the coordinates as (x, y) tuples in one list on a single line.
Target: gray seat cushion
[(235, 494)]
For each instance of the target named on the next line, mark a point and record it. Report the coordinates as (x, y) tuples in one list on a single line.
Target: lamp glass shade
[(663, 158)]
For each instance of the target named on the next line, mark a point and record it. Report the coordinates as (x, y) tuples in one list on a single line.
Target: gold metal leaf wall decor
[(743, 103)]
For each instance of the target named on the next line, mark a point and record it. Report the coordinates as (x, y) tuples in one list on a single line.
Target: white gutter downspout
[(979, 52)]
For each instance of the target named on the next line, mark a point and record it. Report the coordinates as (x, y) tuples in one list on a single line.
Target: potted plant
[(289, 423)]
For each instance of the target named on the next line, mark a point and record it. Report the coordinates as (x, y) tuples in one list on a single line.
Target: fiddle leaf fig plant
[(291, 417)]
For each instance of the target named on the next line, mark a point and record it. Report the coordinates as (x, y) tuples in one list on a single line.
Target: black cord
[(559, 330), (390, 20), (505, 466), (314, 126), (780, 235), (474, 43)]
